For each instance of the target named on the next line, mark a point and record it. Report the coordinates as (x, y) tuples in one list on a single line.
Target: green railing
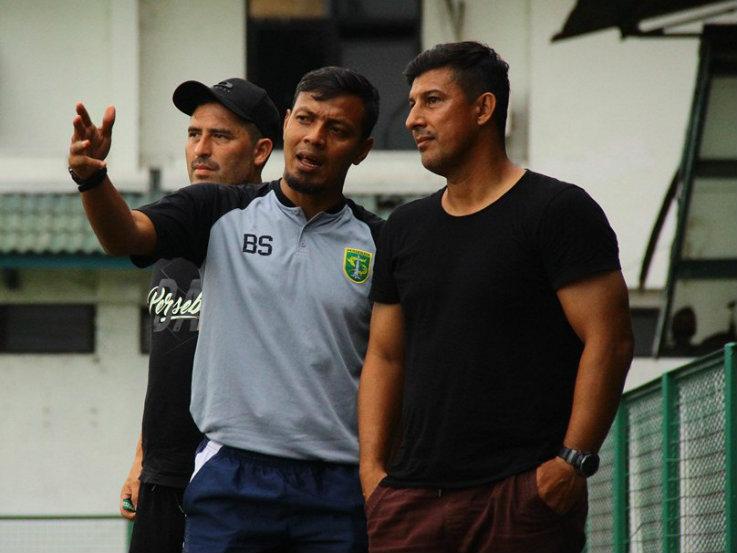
[(64, 534), (668, 479)]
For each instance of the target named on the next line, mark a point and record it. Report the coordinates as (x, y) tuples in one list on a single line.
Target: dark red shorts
[(502, 517)]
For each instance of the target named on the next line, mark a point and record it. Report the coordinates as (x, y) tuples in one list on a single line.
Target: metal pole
[(620, 486), (669, 483), (730, 445)]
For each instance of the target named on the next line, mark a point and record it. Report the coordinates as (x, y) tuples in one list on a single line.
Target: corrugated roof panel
[(43, 224)]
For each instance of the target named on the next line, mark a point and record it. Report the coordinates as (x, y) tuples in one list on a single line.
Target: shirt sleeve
[(383, 285), (576, 238), (182, 221)]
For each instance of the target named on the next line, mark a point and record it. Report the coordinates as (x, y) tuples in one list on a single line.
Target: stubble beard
[(445, 162), (302, 187), (434, 165)]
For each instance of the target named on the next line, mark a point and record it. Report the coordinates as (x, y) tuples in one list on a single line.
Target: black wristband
[(89, 183), (585, 463)]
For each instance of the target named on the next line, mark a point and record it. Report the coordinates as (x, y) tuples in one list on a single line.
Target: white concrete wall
[(53, 54), (611, 115), (183, 40), (70, 422)]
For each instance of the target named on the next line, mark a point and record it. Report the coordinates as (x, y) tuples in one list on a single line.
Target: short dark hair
[(330, 82), (477, 69)]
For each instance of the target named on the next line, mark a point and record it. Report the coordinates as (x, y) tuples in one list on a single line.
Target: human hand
[(559, 485), (370, 478), (90, 144), (130, 490)]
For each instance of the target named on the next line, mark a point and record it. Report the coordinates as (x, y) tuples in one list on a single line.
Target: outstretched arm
[(380, 393), (119, 230), (597, 309)]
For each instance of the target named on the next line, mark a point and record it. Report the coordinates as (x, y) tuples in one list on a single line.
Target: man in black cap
[(232, 129)]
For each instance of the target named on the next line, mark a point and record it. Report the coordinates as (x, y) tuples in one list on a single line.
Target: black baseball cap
[(245, 99)]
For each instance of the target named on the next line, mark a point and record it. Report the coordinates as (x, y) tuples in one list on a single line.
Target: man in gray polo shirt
[(286, 270)]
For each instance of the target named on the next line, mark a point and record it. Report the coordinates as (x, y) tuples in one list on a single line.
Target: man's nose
[(414, 118), (316, 135), (203, 147)]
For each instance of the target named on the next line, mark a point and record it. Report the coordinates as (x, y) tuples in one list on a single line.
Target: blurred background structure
[(638, 107)]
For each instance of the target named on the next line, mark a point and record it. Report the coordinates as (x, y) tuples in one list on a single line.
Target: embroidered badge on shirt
[(356, 265)]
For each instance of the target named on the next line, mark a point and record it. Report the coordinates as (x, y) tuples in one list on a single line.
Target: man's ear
[(286, 119), (364, 150), (262, 151), (485, 107)]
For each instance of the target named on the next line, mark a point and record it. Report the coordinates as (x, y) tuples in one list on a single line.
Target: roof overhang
[(640, 17)]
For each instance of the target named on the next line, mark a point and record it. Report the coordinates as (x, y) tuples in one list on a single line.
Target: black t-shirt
[(169, 433), (490, 360)]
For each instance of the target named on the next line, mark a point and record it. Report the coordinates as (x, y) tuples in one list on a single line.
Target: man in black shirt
[(500, 336), (232, 130)]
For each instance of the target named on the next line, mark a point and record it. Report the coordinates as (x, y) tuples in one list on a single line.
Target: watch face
[(589, 464)]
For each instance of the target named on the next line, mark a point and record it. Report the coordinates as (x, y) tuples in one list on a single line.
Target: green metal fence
[(668, 479)]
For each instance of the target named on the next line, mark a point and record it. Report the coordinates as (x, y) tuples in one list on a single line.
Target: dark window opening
[(47, 328), (377, 38), (644, 325), (702, 319)]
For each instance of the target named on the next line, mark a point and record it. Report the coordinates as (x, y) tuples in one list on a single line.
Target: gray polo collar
[(296, 214)]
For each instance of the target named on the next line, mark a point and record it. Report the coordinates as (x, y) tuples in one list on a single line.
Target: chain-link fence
[(668, 479)]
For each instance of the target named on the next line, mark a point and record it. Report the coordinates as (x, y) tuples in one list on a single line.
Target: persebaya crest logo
[(356, 265)]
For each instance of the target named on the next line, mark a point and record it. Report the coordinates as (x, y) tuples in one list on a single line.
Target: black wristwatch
[(586, 464), (91, 182)]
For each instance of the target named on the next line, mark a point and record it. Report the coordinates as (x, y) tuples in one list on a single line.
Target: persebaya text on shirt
[(169, 308)]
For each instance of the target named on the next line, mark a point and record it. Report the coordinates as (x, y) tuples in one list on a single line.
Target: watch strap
[(91, 182), (576, 459)]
